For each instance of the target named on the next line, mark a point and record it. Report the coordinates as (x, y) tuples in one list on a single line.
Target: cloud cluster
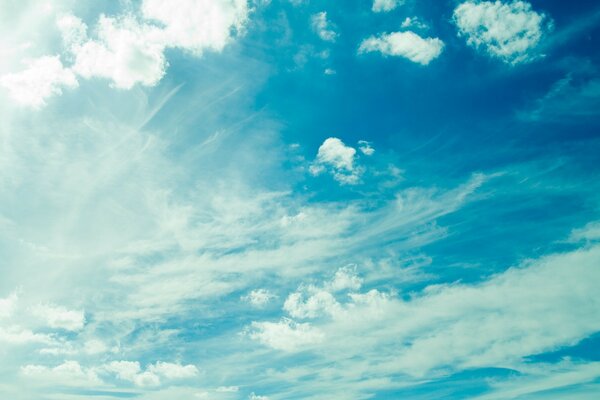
[(509, 31), (536, 307), (129, 49), (404, 44)]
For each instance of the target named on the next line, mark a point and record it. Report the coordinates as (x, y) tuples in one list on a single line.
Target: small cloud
[(509, 31), (337, 158), (404, 44), (8, 305), (365, 148), (413, 22), (329, 71), (259, 297), (386, 5), (322, 27)]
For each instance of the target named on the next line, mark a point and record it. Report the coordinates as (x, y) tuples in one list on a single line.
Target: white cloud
[(404, 44), (365, 148), (259, 297), (68, 373), (318, 303), (414, 22), (386, 5), (198, 25), (227, 389), (8, 305), (257, 397), (535, 308), (60, 317), (509, 31), (345, 278), (322, 27), (126, 52), (286, 335), (44, 77), (173, 371), (335, 156), (131, 371), (18, 335)]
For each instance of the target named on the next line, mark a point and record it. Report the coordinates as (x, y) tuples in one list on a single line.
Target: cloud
[(19, 336), (322, 27), (574, 98), (339, 159), (131, 371), (198, 25), (69, 373), (60, 317), (509, 31), (365, 148), (259, 297), (404, 44), (126, 51), (386, 5), (286, 335), (8, 305), (44, 77), (536, 307)]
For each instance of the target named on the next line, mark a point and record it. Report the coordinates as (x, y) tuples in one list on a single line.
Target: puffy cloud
[(68, 373), (335, 156), (129, 51), (198, 25), (404, 44), (60, 317), (173, 371), (386, 5), (126, 51), (322, 27), (509, 31), (44, 77), (131, 371), (318, 303), (286, 335), (259, 297)]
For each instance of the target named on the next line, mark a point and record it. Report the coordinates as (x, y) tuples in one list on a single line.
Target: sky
[(299, 199)]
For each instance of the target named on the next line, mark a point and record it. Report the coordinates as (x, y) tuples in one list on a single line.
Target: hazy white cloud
[(8, 305), (60, 317), (413, 22), (69, 373), (404, 44), (323, 27), (386, 5), (509, 31), (198, 25), (365, 148), (173, 371), (259, 297), (286, 335), (44, 77), (19, 336), (537, 307)]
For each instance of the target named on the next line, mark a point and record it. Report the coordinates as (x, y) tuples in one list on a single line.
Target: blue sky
[(299, 199)]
